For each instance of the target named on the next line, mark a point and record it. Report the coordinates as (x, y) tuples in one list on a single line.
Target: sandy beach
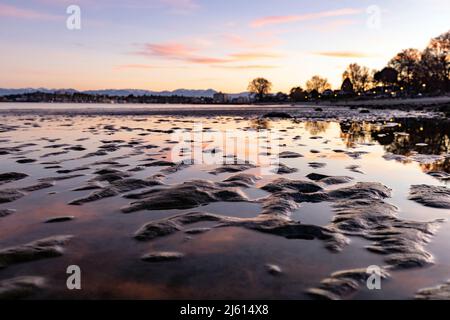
[(118, 194)]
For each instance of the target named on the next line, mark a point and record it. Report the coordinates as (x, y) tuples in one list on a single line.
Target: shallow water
[(226, 262)]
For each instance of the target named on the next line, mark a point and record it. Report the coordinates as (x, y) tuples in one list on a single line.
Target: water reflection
[(404, 137), (316, 127)]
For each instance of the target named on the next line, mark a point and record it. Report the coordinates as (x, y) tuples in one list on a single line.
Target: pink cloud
[(20, 13), (273, 20), (174, 50), (207, 60), (179, 51)]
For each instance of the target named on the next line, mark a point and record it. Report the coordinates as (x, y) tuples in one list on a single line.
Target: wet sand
[(144, 226)]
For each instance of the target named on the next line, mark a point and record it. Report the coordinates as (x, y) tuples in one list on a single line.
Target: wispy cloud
[(9, 11), (145, 67), (246, 67), (274, 20), (181, 52), (135, 66), (254, 55), (178, 51), (344, 54)]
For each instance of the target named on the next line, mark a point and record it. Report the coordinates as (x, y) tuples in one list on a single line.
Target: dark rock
[(66, 171), (284, 169), (24, 161), (183, 196), (289, 155), (115, 188), (272, 224), (329, 180), (281, 115), (232, 168), (442, 176), (354, 168), (431, 196), (11, 176), (441, 292), (6, 212), (283, 184), (317, 165), (362, 190), (197, 230), (89, 186), (40, 249), (243, 180), (156, 229), (175, 168), (160, 163), (110, 175), (410, 260), (342, 284), (59, 219), (20, 287), (38, 186), (162, 256), (280, 203), (76, 148), (10, 195), (355, 154), (362, 212)]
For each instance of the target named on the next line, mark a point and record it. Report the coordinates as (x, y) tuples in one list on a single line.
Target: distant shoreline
[(426, 101), (313, 112)]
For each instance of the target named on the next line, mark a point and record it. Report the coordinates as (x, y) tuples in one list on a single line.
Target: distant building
[(241, 100), (220, 97)]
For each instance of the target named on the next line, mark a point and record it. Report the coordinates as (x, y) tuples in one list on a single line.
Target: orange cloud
[(19, 13), (273, 20), (248, 67), (254, 55), (343, 54), (169, 50)]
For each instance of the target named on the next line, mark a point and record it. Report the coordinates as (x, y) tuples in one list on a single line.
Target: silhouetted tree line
[(410, 73)]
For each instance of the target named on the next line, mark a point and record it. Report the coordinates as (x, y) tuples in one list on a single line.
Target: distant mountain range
[(124, 92)]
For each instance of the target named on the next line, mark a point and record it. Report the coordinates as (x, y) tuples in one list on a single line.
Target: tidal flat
[(113, 193)]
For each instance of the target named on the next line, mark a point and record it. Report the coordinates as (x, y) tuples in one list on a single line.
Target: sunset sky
[(200, 44)]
